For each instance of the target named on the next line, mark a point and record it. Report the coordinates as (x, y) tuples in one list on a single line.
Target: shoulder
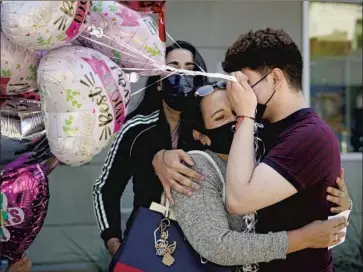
[(310, 130), (208, 164), (133, 127), (138, 123)]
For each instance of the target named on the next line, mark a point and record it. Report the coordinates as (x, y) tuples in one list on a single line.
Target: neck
[(172, 116), (223, 156), (286, 104)]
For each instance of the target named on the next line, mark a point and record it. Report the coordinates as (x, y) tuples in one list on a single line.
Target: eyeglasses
[(208, 89)]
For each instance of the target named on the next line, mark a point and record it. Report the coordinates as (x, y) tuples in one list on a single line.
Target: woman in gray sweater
[(216, 235)]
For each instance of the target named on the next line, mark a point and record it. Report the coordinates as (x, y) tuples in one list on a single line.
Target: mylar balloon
[(43, 24), (144, 6), (131, 39), (23, 206), (18, 68), (85, 97)]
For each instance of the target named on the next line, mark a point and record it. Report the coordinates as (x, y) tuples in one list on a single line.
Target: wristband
[(240, 120)]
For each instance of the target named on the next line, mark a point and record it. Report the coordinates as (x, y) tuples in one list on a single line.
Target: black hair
[(152, 97), (263, 50), (194, 114)]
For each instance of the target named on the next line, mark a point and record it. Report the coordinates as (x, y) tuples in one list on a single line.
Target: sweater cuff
[(280, 244)]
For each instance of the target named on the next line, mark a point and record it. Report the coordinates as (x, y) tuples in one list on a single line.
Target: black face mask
[(221, 137), (261, 108), (176, 89)]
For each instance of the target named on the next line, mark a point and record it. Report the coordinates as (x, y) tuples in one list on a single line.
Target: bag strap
[(165, 202), (214, 164)]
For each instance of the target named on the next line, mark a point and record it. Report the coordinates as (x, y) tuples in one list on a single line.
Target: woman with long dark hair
[(157, 124)]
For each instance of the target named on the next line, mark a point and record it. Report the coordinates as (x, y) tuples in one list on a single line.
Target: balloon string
[(174, 41), (125, 53), (165, 68), (139, 91)]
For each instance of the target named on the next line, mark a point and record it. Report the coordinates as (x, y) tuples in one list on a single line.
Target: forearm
[(296, 241), (106, 201), (241, 163), (231, 248)]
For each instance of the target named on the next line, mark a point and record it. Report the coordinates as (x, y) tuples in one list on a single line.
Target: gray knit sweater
[(217, 236)]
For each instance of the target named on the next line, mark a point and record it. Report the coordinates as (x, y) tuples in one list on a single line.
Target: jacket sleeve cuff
[(108, 234)]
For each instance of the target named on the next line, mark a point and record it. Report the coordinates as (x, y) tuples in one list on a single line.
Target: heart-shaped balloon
[(18, 68), (131, 39), (85, 97), (43, 25), (23, 206), (144, 6)]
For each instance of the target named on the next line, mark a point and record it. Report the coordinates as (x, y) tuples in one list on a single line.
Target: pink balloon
[(24, 203), (131, 39)]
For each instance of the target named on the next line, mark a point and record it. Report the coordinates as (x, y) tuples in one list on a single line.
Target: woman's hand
[(23, 265), (113, 245), (324, 234), (169, 167), (339, 196)]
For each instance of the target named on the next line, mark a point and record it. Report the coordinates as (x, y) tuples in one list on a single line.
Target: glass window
[(336, 69)]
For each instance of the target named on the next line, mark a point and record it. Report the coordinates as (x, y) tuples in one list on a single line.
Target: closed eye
[(219, 118)]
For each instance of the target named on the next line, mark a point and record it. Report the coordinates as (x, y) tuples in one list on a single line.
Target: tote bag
[(145, 243)]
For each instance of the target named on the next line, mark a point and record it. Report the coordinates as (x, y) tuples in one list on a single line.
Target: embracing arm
[(203, 219)]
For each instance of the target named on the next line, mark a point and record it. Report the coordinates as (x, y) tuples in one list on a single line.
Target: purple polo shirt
[(305, 151)]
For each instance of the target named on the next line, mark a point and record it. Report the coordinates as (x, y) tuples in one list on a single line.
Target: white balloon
[(131, 39), (18, 68), (43, 24), (85, 97)]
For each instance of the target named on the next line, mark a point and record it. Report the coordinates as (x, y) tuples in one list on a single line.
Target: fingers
[(190, 173), (338, 223), (179, 188), (186, 158), (342, 173), (182, 180), (336, 200), (334, 192), (22, 265), (27, 267), (337, 209), (337, 238), (169, 195), (341, 184), (243, 80), (22, 261)]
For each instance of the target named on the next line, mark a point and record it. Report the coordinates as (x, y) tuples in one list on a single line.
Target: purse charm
[(162, 247)]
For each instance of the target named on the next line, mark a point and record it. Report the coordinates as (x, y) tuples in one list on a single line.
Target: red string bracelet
[(240, 120)]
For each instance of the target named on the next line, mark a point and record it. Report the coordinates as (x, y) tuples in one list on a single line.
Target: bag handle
[(165, 202), (215, 166)]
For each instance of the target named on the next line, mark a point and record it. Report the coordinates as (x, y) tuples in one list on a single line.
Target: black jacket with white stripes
[(130, 156)]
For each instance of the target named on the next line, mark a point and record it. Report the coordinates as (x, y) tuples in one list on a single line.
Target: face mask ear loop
[(271, 97)]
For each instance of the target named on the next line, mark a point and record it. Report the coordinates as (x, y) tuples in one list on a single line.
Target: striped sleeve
[(115, 174)]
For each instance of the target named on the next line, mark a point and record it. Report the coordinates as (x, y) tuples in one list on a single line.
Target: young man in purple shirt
[(302, 156)]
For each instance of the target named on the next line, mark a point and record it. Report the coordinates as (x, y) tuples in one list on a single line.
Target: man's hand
[(169, 167), (323, 234), (24, 265), (339, 196), (241, 96), (113, 245)]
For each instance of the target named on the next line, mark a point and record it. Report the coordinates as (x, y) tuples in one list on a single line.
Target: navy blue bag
[(138, 253)]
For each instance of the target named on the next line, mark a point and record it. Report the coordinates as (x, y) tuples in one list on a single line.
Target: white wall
[(211, 26)]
